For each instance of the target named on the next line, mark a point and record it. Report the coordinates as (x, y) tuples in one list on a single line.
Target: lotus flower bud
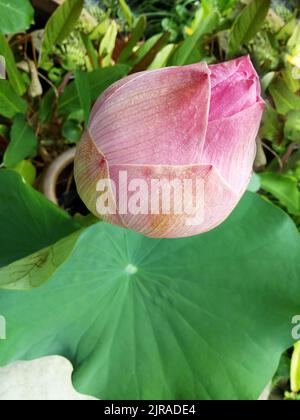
[(169, 153)]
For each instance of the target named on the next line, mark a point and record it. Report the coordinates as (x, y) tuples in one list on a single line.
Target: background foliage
[(56, 72)]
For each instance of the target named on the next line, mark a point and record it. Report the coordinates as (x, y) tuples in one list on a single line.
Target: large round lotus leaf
[(200, 318)]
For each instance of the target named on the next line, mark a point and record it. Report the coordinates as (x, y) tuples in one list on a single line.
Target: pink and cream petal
[(158, 117), (242, 68), (216, 199), (231, 146), (109, 92), (194, 124), (235, 87), (90, 167)]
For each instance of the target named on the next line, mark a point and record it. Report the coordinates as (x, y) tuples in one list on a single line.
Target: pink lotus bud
[(169, 153)]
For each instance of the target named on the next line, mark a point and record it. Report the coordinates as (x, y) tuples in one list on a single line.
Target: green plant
[(206, 317)]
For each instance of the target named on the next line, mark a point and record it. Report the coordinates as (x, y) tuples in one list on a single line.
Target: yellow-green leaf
[(127, 12), (295, 369), (27, 171), (60, 25)]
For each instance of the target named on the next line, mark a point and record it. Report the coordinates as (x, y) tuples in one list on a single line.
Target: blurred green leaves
[(137, 34), (284, 99), (10, 103), (108, 43), (292, 126), (60, 25), (36, 269), (187, 52), (27, 170), (29, 222), (14, 75), (96, 82), (71, 131), (284, 188), (84, 93), (247, 24), (127, 12), (23, 142), (15, 16), (46, 106), (272, 126)]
